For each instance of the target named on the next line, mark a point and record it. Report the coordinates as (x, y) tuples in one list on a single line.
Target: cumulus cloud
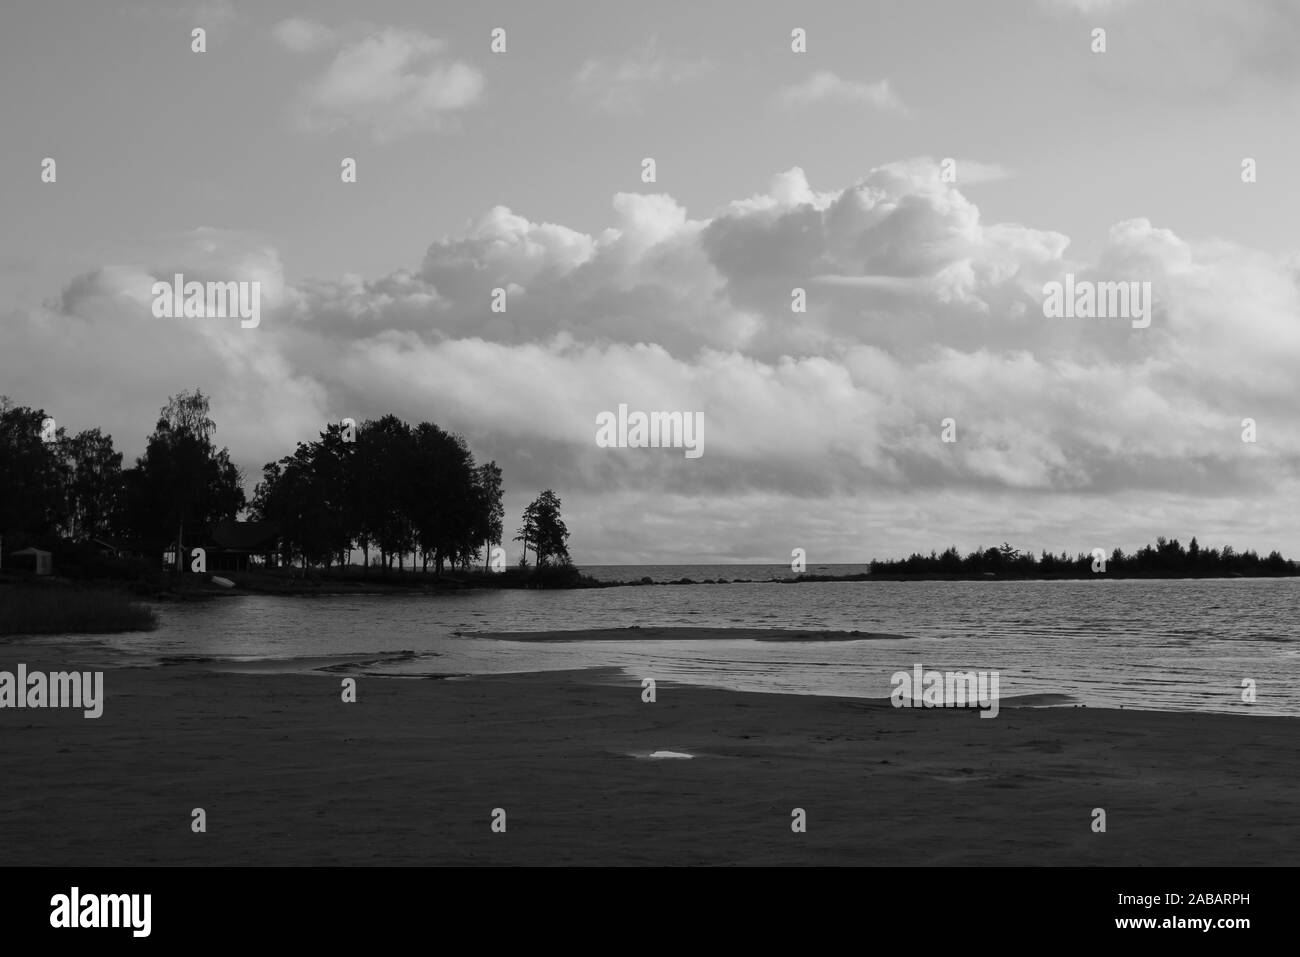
[(102, 330), (917, 310), (823, 86)]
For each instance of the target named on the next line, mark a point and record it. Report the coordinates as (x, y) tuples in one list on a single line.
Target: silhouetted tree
[(93, 489), (491, 510), (385, 479), (182, 483), (32, 480), (544, 529)]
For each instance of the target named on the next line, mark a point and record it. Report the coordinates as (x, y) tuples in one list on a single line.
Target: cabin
[(34, 560), (237, 546), (229, 547)]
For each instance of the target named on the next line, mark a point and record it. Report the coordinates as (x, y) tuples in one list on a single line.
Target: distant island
[(1168, 558)]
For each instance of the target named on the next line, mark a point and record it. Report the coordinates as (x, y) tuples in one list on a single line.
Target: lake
[(1155, 645)]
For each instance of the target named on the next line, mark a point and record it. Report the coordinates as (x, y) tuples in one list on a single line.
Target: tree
[(491, 509), (293, 495), (545, 529), (32, 480), (404, 489), (93, 473), (332, 466), (397, 487), (527, 531), (445, 510), (182, 483), (384, 462)]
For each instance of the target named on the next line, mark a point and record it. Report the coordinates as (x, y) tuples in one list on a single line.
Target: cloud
[(826, 422), (621, 84), (824, 86), (917, 311), (101, 329), (389, 82)]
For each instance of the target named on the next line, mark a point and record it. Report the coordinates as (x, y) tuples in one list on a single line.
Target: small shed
[(34, 560)]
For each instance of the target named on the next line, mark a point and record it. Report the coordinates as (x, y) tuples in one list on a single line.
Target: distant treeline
[(1166, 559)]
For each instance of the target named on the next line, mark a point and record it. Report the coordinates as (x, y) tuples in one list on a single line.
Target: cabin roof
[(247, 536)]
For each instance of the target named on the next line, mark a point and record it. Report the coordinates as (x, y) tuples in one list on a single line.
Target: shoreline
[(370, 663), (409, 774)]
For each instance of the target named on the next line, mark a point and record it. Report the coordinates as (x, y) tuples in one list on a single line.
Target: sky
[(775, 170)]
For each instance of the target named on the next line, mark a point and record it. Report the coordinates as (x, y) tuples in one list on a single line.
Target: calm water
[(1156, 645)]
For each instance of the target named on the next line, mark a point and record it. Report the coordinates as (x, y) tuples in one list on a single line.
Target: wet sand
[(410, 774)]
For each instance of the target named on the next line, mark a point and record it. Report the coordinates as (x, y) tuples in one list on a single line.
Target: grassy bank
[(56, 609)]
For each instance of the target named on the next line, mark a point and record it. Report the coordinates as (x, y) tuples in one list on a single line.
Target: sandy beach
[(410, 774)]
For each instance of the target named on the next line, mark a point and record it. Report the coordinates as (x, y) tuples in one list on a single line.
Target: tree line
[(1168, 558), (382, 486)]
